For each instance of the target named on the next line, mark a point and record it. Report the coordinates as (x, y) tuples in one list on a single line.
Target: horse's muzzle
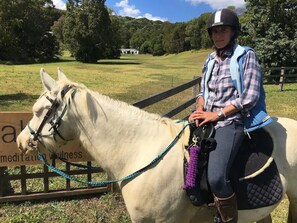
[(25, 143)]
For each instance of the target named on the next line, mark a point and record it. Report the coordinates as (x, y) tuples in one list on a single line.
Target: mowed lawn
[(131, 78)]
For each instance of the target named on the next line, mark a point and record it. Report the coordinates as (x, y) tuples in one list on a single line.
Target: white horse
[(123, 139)]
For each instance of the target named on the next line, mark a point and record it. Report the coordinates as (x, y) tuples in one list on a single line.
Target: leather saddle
[(254, 174)]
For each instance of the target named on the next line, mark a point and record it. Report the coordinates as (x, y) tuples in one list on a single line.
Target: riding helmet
[(223, 17)]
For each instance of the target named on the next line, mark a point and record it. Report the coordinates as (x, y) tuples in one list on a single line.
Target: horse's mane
[(120, 106)]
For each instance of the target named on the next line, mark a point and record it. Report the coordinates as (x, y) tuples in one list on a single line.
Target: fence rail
[(67, 190), (195, 83)]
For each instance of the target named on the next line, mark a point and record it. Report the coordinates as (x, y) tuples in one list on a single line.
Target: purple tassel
[(192, 168)]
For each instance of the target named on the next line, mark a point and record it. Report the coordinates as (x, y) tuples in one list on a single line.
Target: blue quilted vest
[(257, 117)]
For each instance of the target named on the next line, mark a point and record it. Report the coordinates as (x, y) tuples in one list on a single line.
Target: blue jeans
[(229, 139)]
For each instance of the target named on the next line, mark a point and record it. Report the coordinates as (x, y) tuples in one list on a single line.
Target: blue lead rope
[(41, 157)]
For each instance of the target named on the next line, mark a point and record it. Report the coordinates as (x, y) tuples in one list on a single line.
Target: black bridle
[(54, 123)]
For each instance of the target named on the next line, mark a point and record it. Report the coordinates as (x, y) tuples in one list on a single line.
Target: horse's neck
[(115, 133)]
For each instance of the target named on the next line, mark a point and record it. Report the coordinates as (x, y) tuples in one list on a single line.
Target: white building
[(129, 51)]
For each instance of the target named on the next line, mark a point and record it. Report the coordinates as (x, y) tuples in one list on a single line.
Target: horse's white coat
[(123, 139)]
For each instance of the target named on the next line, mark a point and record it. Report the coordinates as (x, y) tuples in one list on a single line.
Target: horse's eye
[(57, 104), (37, 112)]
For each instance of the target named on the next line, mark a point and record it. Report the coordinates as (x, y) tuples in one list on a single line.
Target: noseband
[(54, 123)]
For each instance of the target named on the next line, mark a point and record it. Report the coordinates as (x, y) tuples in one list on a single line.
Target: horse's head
[(48, 128)]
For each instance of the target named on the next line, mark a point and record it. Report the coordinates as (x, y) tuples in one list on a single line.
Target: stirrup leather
[(227, 208)]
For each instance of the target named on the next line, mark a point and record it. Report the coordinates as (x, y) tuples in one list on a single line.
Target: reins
[(41, 157)]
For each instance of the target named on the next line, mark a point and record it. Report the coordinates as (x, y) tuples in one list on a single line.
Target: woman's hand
[(202, 117)]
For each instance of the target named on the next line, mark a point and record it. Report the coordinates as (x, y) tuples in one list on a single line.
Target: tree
[(112, 51), (88, 32), (193, 33), (146, 47), (175, 38), (25, 31), (145, 34), (138, 38), (57, 29), (157, 40), (273, 28), (196, 29)]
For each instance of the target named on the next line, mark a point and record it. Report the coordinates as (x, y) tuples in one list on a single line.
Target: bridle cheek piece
[(55, 124)]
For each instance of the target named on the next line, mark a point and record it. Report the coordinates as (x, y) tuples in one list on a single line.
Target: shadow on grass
[(122, 61), (37, 62), (283, 91), (117, 63), (18, 96), (8, 99), (288, 89), (157, 84)]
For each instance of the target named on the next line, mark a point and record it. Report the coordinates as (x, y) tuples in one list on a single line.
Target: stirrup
[(217, 218), (211, 205)]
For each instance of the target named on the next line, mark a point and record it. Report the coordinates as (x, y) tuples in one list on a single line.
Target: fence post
[(5, 186), (195, 91), (2, 182), (281, 79)]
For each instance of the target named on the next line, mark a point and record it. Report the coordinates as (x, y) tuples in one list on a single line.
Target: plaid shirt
[(221, 88)]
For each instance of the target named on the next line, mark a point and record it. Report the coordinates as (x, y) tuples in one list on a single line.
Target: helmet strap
[(220, 51)]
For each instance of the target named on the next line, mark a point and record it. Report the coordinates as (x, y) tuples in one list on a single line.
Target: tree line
[(35, 31)]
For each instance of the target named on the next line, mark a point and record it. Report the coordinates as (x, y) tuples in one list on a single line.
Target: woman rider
[(224, 106)]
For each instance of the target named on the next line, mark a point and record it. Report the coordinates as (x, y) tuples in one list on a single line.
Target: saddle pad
[(262, 190), (256, 179)]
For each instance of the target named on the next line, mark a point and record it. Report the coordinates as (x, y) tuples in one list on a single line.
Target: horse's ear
[(47, 81), (61, 75), (89, 106)]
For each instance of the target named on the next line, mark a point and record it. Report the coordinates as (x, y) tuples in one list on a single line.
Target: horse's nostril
[(22, 145), (22, 149)]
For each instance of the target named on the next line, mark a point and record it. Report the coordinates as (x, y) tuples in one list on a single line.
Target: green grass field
[(131, 78)]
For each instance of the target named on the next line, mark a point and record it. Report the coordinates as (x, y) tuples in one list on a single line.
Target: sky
[(164, 10)]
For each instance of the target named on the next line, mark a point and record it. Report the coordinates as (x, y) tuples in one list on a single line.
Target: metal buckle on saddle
[(203, 135)]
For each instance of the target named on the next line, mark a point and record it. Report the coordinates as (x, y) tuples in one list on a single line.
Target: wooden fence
[(280, 76), (25, 171)]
